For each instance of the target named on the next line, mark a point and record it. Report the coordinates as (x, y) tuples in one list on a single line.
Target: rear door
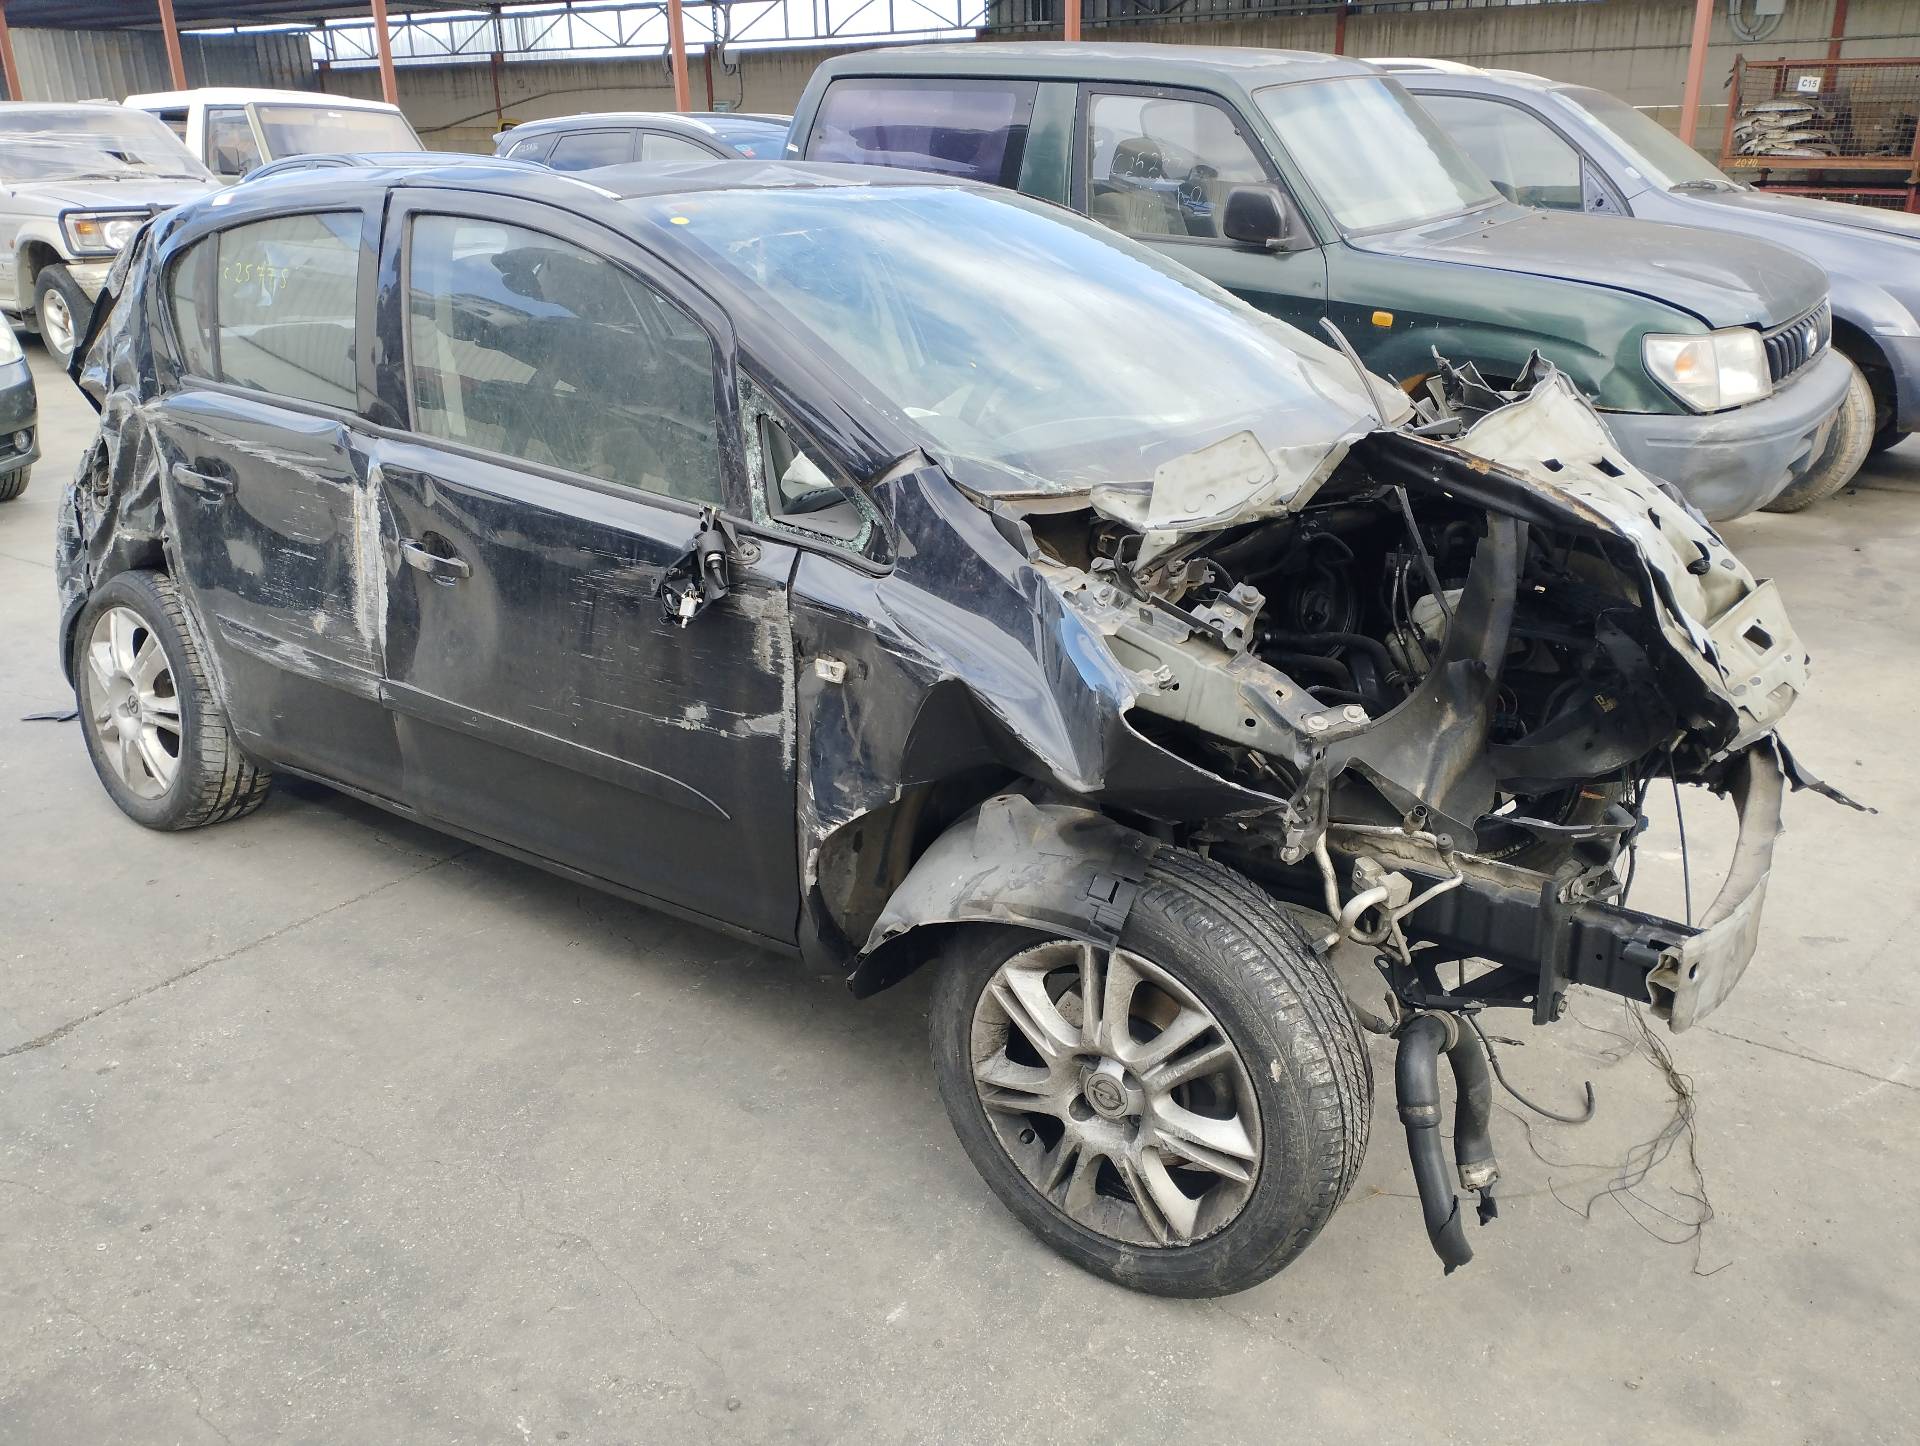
[(277, 529), (568, 416), (1157, 165)]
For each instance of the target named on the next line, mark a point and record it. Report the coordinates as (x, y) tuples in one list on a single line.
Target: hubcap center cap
[(1107, 1092)]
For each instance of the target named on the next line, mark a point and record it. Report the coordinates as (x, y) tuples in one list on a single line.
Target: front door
[(566, 430), (1157, 165), (264, 464)]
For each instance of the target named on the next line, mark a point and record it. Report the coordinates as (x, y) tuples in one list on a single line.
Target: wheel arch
[(34, 256), (1858, 346), (1053, 867)]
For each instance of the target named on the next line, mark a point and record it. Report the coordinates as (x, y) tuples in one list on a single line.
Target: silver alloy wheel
[(133, 703), (1116, 1093), (56, 322)]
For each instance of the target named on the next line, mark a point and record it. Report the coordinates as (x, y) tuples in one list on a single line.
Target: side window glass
[(525, 345), (656, 147), (285, 294), (533, 149), (231, 150), (1525, 158), (974, 130), (1159, 167), (587, 149), (176, 121), (796, 487), (190, 300)]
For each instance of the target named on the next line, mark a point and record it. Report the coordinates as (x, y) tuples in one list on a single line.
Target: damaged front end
[(1448, 669)]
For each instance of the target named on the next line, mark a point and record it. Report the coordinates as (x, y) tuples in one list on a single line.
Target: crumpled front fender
[(1069, 871)]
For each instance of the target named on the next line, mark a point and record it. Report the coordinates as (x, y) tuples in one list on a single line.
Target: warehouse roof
[(202, 14)]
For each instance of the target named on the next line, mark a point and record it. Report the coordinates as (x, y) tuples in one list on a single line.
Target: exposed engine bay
[(1460, 657)]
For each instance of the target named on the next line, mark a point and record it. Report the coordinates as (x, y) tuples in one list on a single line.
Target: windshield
[(1655, 151), (1016, 334), (1373, 157), (305, 130), (90, 142)]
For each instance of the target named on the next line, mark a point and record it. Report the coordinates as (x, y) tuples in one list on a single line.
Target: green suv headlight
[(1718, 369), (98, 234)]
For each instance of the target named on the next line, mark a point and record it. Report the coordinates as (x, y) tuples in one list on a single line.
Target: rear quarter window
[(974, 129)]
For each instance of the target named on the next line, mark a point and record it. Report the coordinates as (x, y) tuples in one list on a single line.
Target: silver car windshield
[(1656, 152), (302, 130), (1373, 157), (1016, 334), (90, 142)]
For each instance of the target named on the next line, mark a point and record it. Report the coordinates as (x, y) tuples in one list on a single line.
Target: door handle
[(203, 483), (442, 569)]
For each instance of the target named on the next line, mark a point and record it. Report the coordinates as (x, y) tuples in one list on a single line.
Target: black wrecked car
[(892, 572)]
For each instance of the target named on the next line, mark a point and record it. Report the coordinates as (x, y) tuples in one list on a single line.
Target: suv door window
[(1527, 159), (973, 129), (284, 297), (584, 150), (657, 147), (522, 344), (1162, 167), (231, 148), (175, 119)]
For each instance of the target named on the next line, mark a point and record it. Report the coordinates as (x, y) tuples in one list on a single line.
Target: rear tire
[(1286, 1096), (1847, 447), (13, 483), (154, 726)]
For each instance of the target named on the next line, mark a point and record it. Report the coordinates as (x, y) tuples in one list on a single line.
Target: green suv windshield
[(1372, 156), (1660, 155), (1016, 334)]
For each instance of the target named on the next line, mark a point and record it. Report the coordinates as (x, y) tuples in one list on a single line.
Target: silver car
[(76, 183)]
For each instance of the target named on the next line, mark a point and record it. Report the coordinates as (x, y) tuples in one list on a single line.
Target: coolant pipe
[(1416, 1080)]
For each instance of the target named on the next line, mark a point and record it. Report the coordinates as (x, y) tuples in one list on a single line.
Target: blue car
[(1572, 148)]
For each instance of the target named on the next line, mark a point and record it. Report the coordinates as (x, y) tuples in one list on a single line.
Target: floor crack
[(1812, 1058), (55, 1035)]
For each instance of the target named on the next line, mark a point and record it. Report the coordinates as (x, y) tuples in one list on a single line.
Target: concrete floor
[(321, 1127)]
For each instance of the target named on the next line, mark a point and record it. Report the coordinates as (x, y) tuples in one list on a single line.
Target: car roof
[(246, 94), (592, 192), (706, 123), (375, 160), (1201, 66)]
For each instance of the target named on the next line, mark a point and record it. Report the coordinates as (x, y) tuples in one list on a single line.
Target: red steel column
[(677, 37), (1069, 19), (389, 92), (7, 64), (174, 62), (1696, 69)]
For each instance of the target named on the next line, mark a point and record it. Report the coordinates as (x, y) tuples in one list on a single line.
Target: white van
[(235, 129)]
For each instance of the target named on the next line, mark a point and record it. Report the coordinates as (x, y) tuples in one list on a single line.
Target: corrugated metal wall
[(114, 64)]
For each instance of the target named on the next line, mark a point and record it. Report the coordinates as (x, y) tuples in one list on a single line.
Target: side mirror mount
[(1260, 216)]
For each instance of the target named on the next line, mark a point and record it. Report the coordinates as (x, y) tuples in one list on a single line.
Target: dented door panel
[(542, 699), (281, 536)]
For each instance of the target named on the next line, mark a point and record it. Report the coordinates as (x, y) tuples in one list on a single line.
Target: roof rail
[(1407, 62)]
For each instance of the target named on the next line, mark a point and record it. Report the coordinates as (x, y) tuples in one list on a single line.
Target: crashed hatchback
[(894, 573)]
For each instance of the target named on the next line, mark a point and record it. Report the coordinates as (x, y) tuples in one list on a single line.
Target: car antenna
[(1366, 377)]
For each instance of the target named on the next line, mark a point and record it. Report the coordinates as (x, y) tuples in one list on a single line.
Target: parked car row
[(958, 544)]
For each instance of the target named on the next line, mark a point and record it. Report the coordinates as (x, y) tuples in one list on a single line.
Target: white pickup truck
[(237, 129)]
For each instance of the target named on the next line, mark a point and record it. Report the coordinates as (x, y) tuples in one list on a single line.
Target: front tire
[(61, 311), (13, 483), (154, 726), (1192, 1132), (1847, 447)]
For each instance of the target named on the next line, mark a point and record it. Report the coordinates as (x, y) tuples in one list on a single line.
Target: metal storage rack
[(1843, 129)]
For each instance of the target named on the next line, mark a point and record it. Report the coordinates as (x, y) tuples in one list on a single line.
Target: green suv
[(1316, 187)]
